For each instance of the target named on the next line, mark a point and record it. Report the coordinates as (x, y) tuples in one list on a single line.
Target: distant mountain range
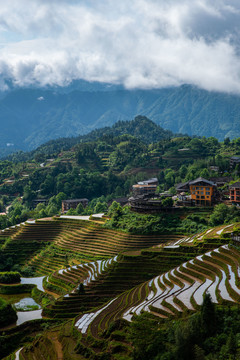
[(30, 117)]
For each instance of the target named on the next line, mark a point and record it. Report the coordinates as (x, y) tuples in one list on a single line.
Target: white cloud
[(142, 43)]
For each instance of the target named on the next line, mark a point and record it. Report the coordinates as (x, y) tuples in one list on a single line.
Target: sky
[(137, 43)]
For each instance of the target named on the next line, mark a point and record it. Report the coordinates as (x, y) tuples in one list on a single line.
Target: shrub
[(10, 277), (7, 314)]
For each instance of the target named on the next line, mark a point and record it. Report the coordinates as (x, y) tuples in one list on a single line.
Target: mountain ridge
[(30, 117)]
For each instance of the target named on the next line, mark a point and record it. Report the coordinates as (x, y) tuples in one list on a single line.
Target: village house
[(39, 201), (152, 181), (146, 187), (182, 187), (234, 160), (203, 192), (235, 193), (72, 204)]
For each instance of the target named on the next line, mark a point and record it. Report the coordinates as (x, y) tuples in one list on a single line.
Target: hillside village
[(111, 167), (197, 192)]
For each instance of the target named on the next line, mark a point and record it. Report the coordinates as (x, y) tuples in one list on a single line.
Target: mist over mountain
[(32, 116)]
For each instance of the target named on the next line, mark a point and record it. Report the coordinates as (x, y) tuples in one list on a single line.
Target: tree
[(71, 212), (198, 353), (52, 210), (168, 202), (80, 289), (115, 209), (146, 337), (79, 209), (100, 207), (183, 171), (227, 141), (28, 194), (219, 215), (2, 207), (169, 177), (208, 316), (47, 187), (59, 198)]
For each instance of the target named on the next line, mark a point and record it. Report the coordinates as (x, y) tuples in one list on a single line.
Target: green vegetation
[(212, 333), (105, 165), (120, 260), (183, 221), (10, 277), (7, 314), (224, 214), (127, 280)]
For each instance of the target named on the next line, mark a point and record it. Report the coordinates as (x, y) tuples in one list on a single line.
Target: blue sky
[(137, 43)]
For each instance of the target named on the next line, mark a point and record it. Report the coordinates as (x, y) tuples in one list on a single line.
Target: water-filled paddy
[(27, 304), (24, 316), (34, 280)]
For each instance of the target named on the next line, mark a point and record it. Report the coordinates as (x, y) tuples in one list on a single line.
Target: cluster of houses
[(198, 192), (206, 192)]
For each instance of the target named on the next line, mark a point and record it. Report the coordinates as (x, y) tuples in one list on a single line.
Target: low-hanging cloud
[(140, 44)]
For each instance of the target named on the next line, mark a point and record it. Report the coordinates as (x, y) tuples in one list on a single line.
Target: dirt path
[(57, 345)]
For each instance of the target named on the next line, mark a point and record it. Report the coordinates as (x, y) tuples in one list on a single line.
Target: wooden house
[(72, 204), (235, 193), (203, 192)]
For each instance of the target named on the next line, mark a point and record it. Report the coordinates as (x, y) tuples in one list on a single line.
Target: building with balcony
[(235, 193), (139, 189), (145, 187), (203, 192)]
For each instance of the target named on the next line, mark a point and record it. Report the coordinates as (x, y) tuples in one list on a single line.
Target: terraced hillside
[(177, 291), (7, 233), (166, 280), (106, 279), (124, 273), (28, 239), (49, 245)]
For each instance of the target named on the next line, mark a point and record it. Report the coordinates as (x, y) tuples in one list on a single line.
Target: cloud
[(140, 44)]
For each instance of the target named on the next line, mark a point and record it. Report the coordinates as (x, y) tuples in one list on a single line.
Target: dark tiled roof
[(148, 182), (74, 200), (224, 179), (200, 179), (182, 185)]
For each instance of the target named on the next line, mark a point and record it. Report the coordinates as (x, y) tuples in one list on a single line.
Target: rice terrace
[(90, 282)]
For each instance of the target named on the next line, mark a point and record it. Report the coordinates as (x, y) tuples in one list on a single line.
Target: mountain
[(141, 128), (30, 117)]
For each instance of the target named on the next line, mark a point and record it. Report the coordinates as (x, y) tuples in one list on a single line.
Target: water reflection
[(24, 316), (34, 280), (27, 304)]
